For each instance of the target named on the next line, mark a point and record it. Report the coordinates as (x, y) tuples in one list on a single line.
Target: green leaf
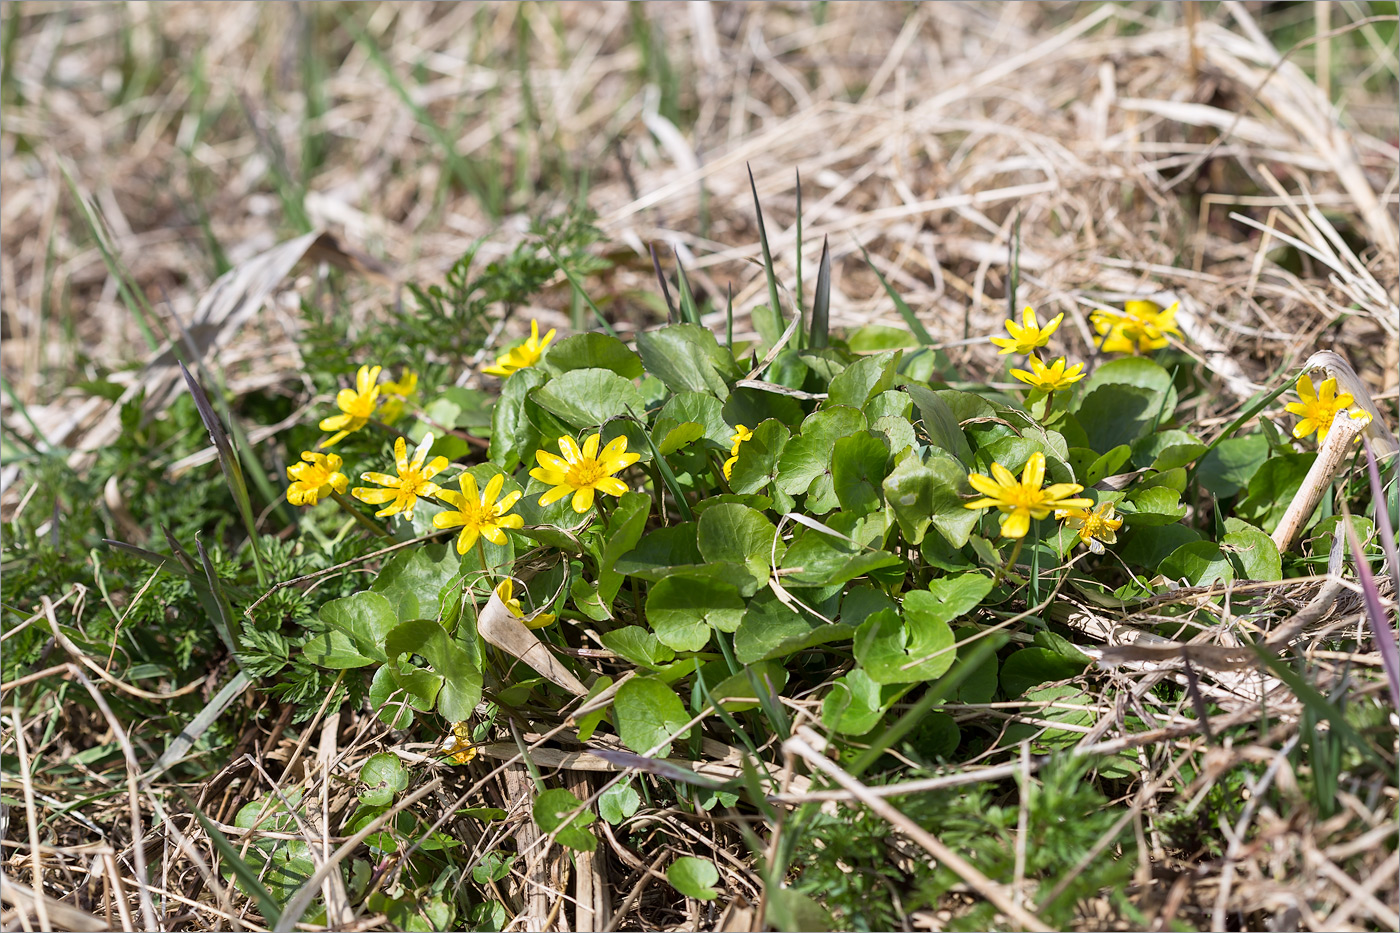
[(682, 435), (683, 610), (1166, 450), (393, 703), (740, 535), (594, 351), (808, 455), (856, 703), (736, 693), (704, 410), (365, 617), (1199, 563), (649, 716), (758, 458), (947, 599), (1253, 553), (625, 527), (867, 376), (588, 722), (858, 469), (383, 776), (896, 651), (694, 877), (1150, 546), (1155, 505), (1229, 467), (770, 629), (688, 359), (1031, 667), (661, 549), (513, 436), (586, 398), (816, 558), (639, 646), (1272, 488), (335, 650), (941, 418), (412, 581), (1107, 465), (618, 803), (551, 812), (461, 687)]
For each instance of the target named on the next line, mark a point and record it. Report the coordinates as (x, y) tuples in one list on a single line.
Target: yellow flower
[(402, 491), (1027, 336), (1141, 327), (1050, 378), (1024, 499), (397, 395), (1096, 527), (523, 356), (1319, 407), (457, 746), (314, 478), (582, 471), (741, 434), (356, 405), (479, 513), (506, 590)]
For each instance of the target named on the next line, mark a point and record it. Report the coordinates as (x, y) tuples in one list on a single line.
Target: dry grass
[(1142, 154)]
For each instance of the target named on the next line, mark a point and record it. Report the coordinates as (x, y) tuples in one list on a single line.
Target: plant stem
[(359, 516), (1015, 553)]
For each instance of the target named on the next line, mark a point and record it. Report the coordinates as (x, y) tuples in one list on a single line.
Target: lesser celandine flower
[(401, 492), (523, 356), (1024, 499), (741, 434), (317, 476), (506, 590), (356, 406), (1096, 527), (1141, 327), (582, 472), (1027, 336), (1319, 407), (480, 514), (1050, 378), (457, 745), (396, 395)]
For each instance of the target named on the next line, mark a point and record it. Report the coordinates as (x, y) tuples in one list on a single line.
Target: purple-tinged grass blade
[(223, 619), (182, 555), (159, 561), (665, 289), (690, 312), (1387, 533), (228, 462), (1375, 612), (674, 770)]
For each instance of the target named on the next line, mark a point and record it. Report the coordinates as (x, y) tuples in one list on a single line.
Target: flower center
[(584, 473), (1024, 497), (362, 406)]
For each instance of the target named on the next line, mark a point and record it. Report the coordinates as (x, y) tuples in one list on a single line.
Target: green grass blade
[(267, 904), (690, 313), (228, 461), (1319, 705), (821, 302), (775, 308), (1249, 412), (665, 289), (578, 289), (223, 620), (729, 317), (906, 312)]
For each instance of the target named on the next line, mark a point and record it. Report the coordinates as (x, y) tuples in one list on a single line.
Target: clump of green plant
[(814, 515)]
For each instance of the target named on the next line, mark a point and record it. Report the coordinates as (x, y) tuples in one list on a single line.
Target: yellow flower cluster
[(1028, 337), (1319, 407), (1142, 326)]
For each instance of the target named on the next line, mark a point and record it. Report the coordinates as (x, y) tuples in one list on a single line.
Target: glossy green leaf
[(683, 610), (649, 716), (892, 650), (594, 351), (694, 877), (585, 398), (552, 812)]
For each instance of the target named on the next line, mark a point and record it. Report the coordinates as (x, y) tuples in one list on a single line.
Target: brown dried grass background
[(1123, 137)]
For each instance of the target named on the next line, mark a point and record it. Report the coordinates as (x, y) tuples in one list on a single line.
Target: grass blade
[(1319, 705), (729, 317), (798, 174), (774, 307), (690, 313), (248, 879), (578, 288), (223, 619), (906, 312), (1375, 612), (665, 289), (160, 561), (821, 302), (228, 461)]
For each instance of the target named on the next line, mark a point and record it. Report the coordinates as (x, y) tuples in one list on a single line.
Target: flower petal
[(611, 485), (583, 499), (493, 489), (1016, 524), (569, 449), (555, 494), (590, 447), (467, 538)]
